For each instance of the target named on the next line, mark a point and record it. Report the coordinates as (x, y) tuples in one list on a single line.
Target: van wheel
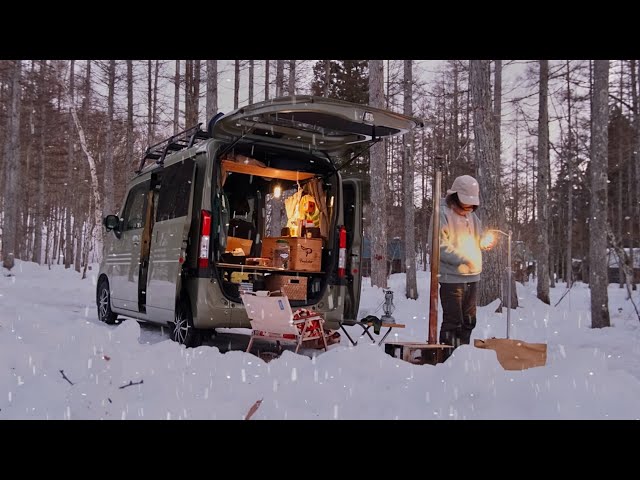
[(104, 303), (183, 330)]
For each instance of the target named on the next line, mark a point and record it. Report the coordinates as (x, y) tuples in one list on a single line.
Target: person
[(461, 245)]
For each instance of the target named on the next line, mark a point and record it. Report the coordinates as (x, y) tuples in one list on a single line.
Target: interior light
[(277, 191)]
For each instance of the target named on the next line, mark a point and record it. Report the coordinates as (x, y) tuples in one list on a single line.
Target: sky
[(57, 361)]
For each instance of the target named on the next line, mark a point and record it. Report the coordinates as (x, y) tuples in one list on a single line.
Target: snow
[(48, 324)]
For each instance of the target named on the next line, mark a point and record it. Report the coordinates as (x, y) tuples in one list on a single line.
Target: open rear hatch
[(312, 123)]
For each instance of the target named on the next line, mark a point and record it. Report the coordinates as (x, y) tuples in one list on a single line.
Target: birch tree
[(409, 209), (212, 89), (378, 177), (598, 275), (97, 200)]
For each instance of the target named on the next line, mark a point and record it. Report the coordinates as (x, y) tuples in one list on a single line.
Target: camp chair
[(271, 318)]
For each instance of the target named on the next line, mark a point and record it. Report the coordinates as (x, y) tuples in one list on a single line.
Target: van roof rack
[(185, 139)]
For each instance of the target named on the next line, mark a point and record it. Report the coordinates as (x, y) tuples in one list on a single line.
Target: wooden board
[(248, 169)]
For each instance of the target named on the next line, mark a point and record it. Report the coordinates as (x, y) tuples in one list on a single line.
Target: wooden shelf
[(256, 268), (249, 169)]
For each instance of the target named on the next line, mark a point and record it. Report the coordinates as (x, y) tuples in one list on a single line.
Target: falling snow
[(590, 373)]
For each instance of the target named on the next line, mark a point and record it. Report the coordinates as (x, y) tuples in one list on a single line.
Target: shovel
[(514, 354)]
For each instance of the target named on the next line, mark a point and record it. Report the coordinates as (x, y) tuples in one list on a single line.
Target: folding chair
[(272, 319)]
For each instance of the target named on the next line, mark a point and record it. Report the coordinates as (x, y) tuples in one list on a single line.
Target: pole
[(509, 282), (435, 262)]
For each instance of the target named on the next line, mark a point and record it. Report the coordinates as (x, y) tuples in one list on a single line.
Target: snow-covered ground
[(49, 327)]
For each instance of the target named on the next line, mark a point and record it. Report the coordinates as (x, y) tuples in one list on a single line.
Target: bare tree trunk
[(497, 101), (636, 151), (327, 78), (569, 262), (378, 180), (236, 84), (41, 162), (59, 253), (251, 74), (47, 243), (621, 271), (176, 95), (56, 236), (68, 243), (212, 89), (408, 177), (598, 278), (542, 224), (279, 78), (156, 75), (488, 161), (108, 155), (11, 172), (292, 77), (266, 79), (129, 142), (150, 118)]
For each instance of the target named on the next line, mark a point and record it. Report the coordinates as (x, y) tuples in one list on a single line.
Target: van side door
[(124, 253), (352, 216), (170, 239)]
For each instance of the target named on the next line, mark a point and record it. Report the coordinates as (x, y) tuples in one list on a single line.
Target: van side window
[(134, 208), (175, 191)]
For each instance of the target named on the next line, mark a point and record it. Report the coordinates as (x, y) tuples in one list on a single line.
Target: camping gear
[(513, 354), (272, 319)]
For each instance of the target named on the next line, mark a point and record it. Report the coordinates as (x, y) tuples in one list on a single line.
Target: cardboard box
[(243, 243), (306, 253), (295, 288)]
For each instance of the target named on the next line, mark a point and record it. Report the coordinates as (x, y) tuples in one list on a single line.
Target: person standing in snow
[(461, 246)]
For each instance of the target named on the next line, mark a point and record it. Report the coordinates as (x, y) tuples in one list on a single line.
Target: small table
[(367, 325)]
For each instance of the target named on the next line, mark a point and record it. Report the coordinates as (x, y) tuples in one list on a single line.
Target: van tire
[(103, 301), (182, 330)]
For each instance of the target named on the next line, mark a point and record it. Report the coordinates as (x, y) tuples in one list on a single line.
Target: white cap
[(467, 189)]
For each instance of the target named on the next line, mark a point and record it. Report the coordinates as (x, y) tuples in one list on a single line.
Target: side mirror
[(111, 222)]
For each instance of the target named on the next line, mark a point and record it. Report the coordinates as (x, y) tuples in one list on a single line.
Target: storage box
[(236, 242), (306, 253), (295, 288)]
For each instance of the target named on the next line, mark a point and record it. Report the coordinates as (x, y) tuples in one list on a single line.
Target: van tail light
[(342, 255), (205, 235)]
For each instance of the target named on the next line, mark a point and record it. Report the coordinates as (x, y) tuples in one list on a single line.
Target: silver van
[(202, 222)]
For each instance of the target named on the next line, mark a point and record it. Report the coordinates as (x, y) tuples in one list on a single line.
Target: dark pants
[(458, 312)]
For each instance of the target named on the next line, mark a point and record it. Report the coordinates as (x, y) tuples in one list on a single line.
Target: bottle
[(281, 254)]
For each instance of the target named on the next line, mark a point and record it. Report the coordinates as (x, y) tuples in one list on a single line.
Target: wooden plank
[(248, 169), (257, 268)]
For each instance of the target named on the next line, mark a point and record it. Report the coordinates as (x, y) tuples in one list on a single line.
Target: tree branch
[(131, 383), (65, 377)]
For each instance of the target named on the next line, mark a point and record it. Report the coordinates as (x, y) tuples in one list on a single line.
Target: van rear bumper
[(212, 310)]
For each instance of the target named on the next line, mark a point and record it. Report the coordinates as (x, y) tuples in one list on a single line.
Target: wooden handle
[(435, 262)]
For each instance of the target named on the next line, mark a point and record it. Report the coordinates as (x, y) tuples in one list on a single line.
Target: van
[(255, 202)]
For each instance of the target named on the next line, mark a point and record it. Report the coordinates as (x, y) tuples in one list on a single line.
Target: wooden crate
[(306, 253), (295, 288), (417, 353)]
